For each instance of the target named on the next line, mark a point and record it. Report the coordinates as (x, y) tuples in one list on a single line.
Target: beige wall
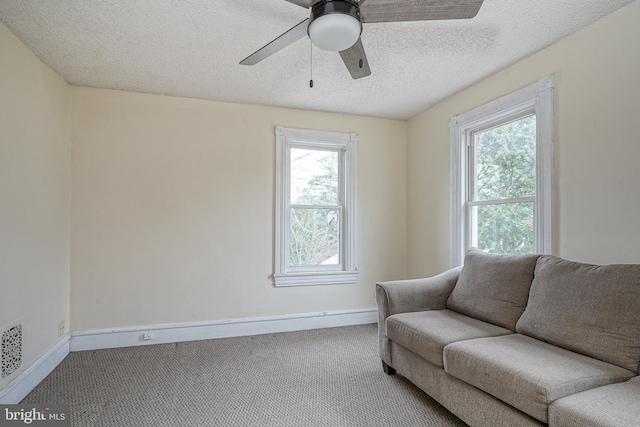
[(597, 147), (34, 193), (173, 204), (172, 207)]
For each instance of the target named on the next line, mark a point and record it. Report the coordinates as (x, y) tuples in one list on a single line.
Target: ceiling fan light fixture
[(335, 25)]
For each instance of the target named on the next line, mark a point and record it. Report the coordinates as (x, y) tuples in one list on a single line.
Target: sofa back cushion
[(589, 309), (493, 288)]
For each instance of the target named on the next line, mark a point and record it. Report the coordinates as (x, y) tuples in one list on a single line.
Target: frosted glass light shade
[(335, 31)]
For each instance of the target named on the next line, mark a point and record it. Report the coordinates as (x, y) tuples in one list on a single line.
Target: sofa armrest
[(404, 296)]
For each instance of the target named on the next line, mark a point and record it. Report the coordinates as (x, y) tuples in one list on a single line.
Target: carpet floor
[(325, 377)]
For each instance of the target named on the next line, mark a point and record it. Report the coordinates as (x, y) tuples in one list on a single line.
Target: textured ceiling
[(191, 48)]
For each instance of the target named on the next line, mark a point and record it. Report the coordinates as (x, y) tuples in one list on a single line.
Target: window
[(501, 172), (315, 207)]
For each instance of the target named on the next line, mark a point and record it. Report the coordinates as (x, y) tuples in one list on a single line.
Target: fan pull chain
[(311, 81)]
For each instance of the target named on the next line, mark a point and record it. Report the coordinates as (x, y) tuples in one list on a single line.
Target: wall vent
[(11, 350)]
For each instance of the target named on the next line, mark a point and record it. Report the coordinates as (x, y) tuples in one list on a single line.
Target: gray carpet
[(325, 377)]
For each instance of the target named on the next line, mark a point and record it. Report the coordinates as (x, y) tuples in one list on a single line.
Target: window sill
[(315, 278)]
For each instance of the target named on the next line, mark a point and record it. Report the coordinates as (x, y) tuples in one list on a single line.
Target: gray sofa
[(524, 340)]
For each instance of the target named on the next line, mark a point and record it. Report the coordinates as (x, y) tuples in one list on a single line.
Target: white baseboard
[(162, 334), (34, 374), (19, 388)]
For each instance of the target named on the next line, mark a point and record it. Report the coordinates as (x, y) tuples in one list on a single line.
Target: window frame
[(537, 99), (346, 145)]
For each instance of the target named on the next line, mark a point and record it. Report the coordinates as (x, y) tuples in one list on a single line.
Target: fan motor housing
[(325, 7)]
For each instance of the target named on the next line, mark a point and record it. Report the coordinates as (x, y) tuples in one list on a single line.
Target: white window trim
[(347, 142), (536, 98)]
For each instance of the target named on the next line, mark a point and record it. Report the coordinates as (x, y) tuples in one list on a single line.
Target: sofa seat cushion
[(526, 373), (616, 405), (589, 309), (493, 288), (426, 333)]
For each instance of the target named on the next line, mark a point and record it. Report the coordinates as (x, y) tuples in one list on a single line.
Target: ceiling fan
[(336, 25)]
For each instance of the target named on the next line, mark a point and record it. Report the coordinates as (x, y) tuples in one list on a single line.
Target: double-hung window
[(315, 207), (501, 163)]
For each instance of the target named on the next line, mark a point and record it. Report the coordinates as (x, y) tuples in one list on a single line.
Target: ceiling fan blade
[(293, 35), (304, 3), (356, 60), (418, 10)]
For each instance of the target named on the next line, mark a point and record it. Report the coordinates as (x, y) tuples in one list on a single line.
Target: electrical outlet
[(61, 328), (148, 335)]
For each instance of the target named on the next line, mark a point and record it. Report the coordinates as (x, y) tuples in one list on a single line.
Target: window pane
[(314, 177), (506, 160), (315, 237), (504, 229)]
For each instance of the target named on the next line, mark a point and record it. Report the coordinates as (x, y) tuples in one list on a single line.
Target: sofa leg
[(388, 369)]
